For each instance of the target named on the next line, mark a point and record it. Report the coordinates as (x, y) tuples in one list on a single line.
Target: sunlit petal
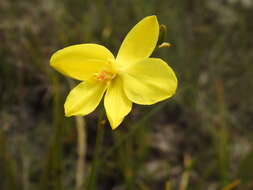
[(82, 61), (149, 81), (140, 41), (117, 105), (84, 98)]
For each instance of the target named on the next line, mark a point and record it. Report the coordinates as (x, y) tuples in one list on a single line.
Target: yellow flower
[(131, 77)]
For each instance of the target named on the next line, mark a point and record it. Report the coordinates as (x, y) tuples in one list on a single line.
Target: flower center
[(104, 76)]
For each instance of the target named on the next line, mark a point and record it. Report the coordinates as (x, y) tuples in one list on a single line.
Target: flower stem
[(81, 151), (81, 147), (91, 180)]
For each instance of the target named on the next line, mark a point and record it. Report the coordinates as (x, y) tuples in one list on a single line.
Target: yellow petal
[(84, 98), (140, 41), (117, 105), (81, 61), (149, 81)]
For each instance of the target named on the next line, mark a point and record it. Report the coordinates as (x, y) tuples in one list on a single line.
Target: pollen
[(104, 76)]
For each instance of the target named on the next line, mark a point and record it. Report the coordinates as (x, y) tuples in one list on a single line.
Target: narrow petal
[(140, 41), (81, 61), (149, 81), (117, 105), (84, 98)]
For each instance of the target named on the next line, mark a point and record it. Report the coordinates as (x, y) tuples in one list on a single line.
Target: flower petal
[(149, 81), (81, 61), (140, 41), (117, 105), (84, 98)]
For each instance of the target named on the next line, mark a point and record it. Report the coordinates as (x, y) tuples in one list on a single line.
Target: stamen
[(104, 76)]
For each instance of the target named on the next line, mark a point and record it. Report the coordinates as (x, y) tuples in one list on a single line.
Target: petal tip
[(114, 127), (67, 111), (152, 18), (114, 123), (52, 60), (68, 114)]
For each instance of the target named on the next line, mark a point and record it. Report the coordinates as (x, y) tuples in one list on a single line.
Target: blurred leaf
[(232, 185), (8, 172), (52, 175), (245, 170)]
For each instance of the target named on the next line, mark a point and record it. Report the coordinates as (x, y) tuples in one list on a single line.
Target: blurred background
[(201, 139)]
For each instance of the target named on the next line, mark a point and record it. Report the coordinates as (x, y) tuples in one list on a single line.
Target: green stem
[(91, 180), (81, 146), (81, 151), (52, 174)]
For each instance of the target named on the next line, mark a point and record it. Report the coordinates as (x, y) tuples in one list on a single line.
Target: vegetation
[(200, 139)]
